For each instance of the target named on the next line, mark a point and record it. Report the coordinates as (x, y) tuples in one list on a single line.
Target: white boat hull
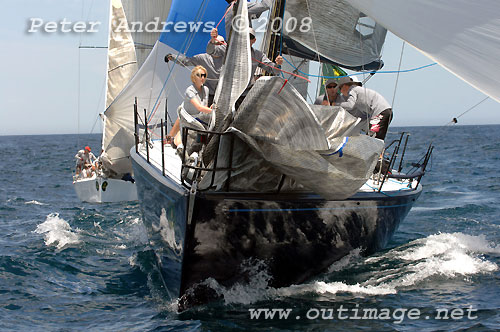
[(105, 190)]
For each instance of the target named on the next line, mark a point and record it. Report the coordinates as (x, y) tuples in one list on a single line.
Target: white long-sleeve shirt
[(84, 158)]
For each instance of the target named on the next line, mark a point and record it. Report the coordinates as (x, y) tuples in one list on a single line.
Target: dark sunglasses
[(201, 75), (331, 86)]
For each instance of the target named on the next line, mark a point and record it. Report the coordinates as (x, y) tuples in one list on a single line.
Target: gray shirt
[(211, 63), (201, 96), (364, 103), (261, 60)]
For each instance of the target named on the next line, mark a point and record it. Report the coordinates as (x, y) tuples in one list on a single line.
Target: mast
[(274, 39)]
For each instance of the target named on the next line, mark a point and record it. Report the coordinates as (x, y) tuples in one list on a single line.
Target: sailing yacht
[(112, 177), (279, 181)]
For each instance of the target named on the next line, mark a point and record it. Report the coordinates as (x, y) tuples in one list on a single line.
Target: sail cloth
[(278, 133), (122, 62), (333, 29), (145, 18), (462, 36), (237, 71), (146, 85), (189, 24), (122, 65), (275, 112)]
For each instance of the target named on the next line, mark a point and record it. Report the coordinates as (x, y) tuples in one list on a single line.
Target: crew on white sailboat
[(195, 102), (367, 104), (84, 161)]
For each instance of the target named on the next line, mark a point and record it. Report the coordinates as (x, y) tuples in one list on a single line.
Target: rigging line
[(470, 109), (281, 70), (175, 84), (452, 122), (368, 72), (227, 11), (78, 84), (397, 77), (303, 62), (367, 123), (313, 33), (95, 122)]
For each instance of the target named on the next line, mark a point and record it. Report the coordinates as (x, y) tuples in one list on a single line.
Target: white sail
[(145, 18), (462, 36), (122, 65), (122, 62)]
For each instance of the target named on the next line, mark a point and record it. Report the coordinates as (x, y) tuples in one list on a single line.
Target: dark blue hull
[(297, 236)]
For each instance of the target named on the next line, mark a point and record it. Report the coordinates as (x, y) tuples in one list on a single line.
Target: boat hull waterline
[(105, 190), (296, 236)]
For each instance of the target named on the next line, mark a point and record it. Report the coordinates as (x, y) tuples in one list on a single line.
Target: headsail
[(462, 36), (189, 24)]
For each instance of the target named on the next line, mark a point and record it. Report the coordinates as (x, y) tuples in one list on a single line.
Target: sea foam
[(57, 232), (442, 255)]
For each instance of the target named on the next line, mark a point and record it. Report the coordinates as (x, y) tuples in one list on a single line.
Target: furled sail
[(335, 30), (236, 73), (462, 36)]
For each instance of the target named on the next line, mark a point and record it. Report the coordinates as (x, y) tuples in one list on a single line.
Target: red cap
[(87, 148)]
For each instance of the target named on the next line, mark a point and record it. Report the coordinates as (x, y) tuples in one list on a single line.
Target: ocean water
[(72, 266)]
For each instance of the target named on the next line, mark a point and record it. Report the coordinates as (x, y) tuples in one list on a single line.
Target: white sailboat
[(291, 184), (128, 48)]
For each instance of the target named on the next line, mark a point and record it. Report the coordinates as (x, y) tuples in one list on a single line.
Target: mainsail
[(122, 61), (462, 36), (145, 18), (334, 30)]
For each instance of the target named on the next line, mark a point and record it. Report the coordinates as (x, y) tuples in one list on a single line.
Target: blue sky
[(50, 86)]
